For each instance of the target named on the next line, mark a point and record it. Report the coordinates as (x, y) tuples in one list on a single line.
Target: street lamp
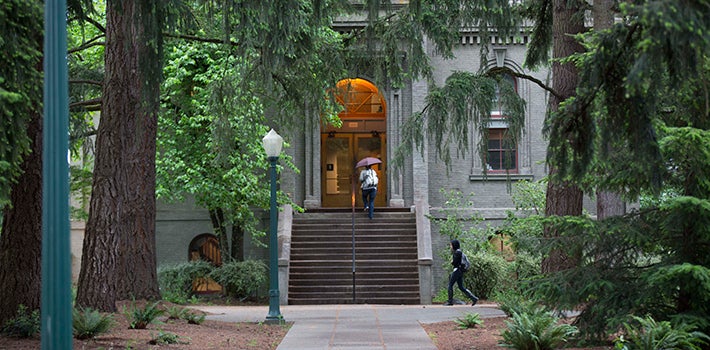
[(272, 145)]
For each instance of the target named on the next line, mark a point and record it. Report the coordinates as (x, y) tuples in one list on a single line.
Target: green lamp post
[(56, 331), (272, 145)]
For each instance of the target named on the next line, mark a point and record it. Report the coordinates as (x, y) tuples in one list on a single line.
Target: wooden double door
[(340, 152)]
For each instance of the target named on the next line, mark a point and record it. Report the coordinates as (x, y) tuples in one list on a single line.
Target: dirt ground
[(447, 336), (258, 336)]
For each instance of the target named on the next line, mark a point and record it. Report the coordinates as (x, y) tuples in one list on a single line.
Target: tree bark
[(608, 203), (220, 229), (21, 238), (237, 242), (563, 198), (119, 260)]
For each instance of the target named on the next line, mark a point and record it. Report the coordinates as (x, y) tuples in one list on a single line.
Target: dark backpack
[(465, 264)]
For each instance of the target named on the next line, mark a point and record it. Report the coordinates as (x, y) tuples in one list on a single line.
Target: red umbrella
[(367, 161)]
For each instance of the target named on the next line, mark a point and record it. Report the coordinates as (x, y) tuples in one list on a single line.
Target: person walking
[(368, 185), (457, 275)]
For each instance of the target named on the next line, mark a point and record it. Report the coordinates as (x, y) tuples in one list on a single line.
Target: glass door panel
[(372, 146), (337, 170)]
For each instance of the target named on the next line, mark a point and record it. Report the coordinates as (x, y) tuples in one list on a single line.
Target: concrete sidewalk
[(354, 327)]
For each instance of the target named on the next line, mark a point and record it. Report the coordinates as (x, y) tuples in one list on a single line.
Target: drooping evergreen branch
[(90, 43), (197, 38), (500, 70), (85, 81)]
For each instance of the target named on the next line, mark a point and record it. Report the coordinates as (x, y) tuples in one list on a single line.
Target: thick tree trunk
[(119, 259), (21, 238), (563, 198), (608, 203)]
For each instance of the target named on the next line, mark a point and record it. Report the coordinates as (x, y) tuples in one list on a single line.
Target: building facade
[(372, 120)]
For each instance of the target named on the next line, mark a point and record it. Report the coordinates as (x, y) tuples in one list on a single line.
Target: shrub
[(469, 321), (176, 281), (88, 323), (194, 318), (241, 279), (513, 301), (25, 324), (176, 312), (140, 318), (647, 334), (486, 273), (536, 331), (168, 338)]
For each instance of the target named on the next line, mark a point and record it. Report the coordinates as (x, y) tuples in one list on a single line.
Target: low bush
[(538, 330), (241, 279), (141, 317), (647, 334), (25, 324), (194, 318), (176, 281), (469, 321), (176, 312), (163, 338), (87, 323), (486, 273)]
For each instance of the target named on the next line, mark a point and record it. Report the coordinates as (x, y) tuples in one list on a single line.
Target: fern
[(647, 334), (536, 331), (88, 323), (469, 321)]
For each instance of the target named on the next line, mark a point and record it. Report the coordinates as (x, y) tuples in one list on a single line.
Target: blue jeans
[(368, 197), (457, 278)]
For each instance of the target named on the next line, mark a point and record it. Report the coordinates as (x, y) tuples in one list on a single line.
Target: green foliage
[(176, 281), (647, 334), (165, 338), (20, 85), (512, 301), (464, 100), (241, 279), (469, 321), (141, 317), (25, 324), (194, 318), (536, 331), (88, 323), (487, 273), (176, 312), (459, 224), (524, 226)]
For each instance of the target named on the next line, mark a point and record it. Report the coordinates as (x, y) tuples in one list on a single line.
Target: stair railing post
[(352, 202)]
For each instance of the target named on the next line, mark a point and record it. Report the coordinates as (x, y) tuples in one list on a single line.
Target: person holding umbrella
[(368, 184)]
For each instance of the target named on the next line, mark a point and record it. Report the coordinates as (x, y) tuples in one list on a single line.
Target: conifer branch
[(85, 81), (538, 82), (197, 38), (90, 43)]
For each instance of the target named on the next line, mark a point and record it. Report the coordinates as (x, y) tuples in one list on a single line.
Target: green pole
[(56, 264), (274, 315)]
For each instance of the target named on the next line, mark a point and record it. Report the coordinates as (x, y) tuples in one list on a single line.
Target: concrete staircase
[(321, 261)]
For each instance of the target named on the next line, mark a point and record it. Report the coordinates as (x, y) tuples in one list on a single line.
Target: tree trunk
[(608, 203), (21, 238), (563, 198), (237, 242), (119, 260)]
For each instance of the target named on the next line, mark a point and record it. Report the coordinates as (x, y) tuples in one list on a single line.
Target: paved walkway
[(354, 327)]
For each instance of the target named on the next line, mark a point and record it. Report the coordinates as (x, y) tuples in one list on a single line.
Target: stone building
[(371, 127)]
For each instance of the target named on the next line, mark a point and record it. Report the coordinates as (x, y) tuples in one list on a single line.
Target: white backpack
[(370, 180)]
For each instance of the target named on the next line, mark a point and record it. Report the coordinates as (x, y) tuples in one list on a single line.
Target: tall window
[(502, 152)]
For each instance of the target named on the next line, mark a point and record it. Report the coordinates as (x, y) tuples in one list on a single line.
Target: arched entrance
[(362, 134)]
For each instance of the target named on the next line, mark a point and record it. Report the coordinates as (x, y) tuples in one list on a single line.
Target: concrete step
[(321, 267)]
